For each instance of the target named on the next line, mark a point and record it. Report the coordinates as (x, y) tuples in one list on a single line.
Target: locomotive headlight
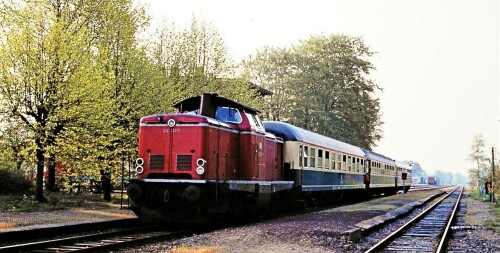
[(200, 170), (200, 162), (171, 122), (139, 161), (139, 169)]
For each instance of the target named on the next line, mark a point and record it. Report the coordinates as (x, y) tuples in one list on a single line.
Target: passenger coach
[(319, 163)]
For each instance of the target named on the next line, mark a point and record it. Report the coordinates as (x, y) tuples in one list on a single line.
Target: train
[(215, 157)]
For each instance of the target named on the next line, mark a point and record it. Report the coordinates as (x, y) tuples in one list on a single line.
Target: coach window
[(349, 163), (320, 158), (357, 165), (344, 162), (354, 165), (327, 160), (339, 162), (300, 156), (333, 160), (226, 114), (306, 151), (313, 157)]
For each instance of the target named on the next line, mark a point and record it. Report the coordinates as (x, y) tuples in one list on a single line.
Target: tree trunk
[(40, 157), (51, 173)]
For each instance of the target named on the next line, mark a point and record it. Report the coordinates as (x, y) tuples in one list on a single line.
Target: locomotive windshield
[(227, 114), (193, 112)]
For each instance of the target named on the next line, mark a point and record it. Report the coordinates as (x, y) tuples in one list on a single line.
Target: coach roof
[(293, 133), (378, 157)]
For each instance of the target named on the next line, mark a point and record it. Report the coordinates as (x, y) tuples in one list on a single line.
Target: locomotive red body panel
[(172, 152), (274, 158)]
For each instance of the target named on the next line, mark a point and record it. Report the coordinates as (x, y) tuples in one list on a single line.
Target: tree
[(131, 87), (478, 156), (194, 60), (273, 69), (445, 178), (14, 145), (325, 78), (47, 65), (460, 178), (417, 171)]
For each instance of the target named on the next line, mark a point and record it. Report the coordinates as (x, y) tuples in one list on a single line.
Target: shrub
[(14, 182)]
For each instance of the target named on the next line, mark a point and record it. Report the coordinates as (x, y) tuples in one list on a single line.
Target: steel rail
[(401, 229), (68, 240), (450, 221)]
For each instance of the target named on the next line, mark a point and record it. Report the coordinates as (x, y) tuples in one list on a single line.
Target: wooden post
[(492, 193)]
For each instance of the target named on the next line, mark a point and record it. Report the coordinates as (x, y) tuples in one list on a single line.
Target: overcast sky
[(437, 61)]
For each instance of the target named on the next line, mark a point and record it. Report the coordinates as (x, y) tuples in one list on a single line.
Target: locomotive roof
[(293, 133), (193, 103), (378, 157)]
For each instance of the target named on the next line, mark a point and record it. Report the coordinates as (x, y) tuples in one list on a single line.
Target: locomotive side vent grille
[(156, 162), (184, 162)]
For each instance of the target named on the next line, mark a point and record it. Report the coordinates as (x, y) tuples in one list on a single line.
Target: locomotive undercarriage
[(161, 202)]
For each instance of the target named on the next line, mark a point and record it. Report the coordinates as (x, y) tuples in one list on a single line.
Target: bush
[(14, 182)]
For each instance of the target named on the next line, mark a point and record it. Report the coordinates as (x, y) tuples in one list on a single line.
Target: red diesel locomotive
[(215, 157)]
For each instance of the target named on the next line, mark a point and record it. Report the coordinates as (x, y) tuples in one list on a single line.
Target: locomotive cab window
[(226, 114), (254, 120), (258, 121)]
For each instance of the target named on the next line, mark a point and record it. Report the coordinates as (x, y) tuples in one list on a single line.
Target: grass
[(490, 223), (494, 224), (57, 201)]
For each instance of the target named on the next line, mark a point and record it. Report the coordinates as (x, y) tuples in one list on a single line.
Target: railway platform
[(19, 221)]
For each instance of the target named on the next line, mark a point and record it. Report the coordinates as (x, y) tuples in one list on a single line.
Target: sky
[(437, 62)]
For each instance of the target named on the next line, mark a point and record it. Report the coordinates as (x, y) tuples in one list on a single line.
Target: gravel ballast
[(322, 231)]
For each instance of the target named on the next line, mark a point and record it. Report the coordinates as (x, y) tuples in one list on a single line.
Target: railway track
[(96, 241), (427, 232), (426, 187)]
